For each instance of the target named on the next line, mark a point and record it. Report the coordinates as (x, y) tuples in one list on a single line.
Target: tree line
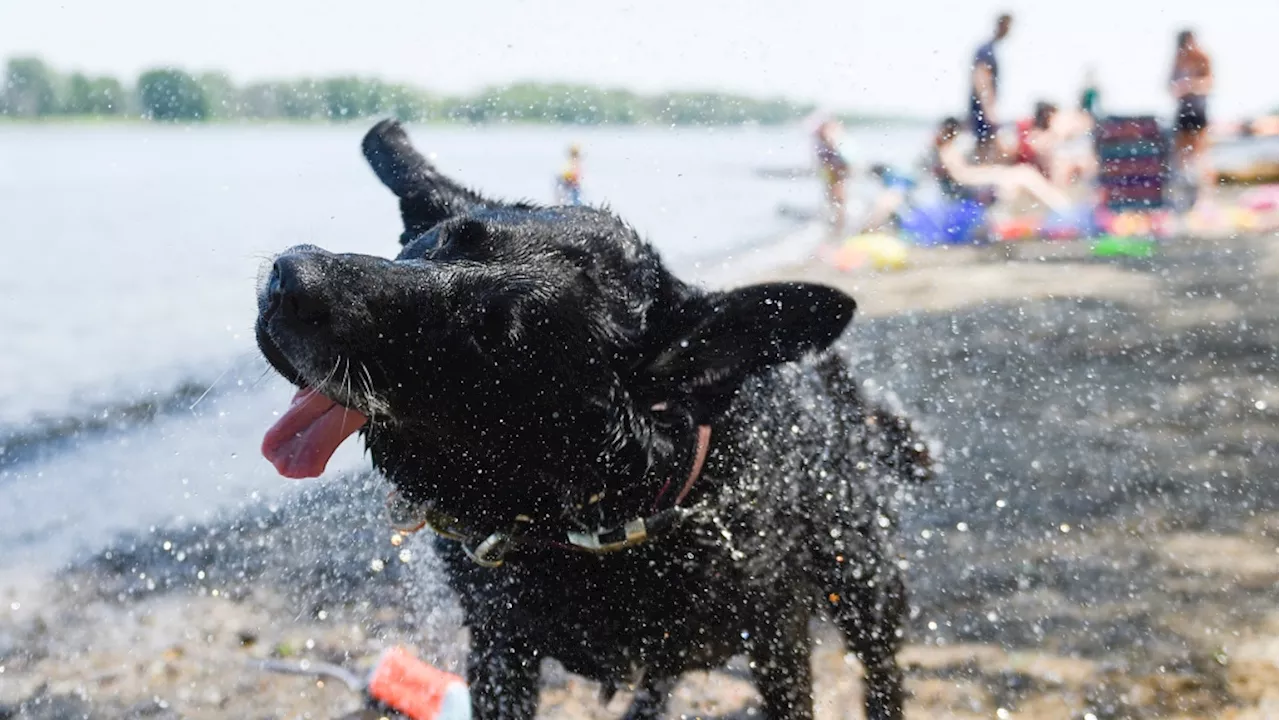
[(32, 89)]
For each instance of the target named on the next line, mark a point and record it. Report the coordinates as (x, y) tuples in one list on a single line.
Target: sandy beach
[(1102, 543)]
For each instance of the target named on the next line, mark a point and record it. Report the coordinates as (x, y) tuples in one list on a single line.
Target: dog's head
[(512, 358)]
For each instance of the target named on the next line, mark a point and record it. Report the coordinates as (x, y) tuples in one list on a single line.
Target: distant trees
[(171, 94), (94, 96), (29, 88), (33, 90)]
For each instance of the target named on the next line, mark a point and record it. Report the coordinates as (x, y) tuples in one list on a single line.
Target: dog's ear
[(426, 196), (747, 329)]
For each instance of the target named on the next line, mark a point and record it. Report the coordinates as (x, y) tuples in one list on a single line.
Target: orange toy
[(410, 686), (399, 681)]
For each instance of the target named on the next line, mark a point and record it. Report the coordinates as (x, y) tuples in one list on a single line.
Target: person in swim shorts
[(984, 84), (1190, 83)]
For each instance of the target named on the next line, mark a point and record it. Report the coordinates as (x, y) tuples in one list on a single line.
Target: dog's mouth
[(305, 437)]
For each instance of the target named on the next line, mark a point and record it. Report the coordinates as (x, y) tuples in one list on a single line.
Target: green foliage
[(168, 94), (29, 88), (222, 99), (172, 94), (94, 96)]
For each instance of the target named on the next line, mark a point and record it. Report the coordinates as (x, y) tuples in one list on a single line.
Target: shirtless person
[(1191, 82), (985, 77)]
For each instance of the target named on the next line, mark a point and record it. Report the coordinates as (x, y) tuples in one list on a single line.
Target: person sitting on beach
[(1037, 140), (1042, 145), (834, 168), (895, 193), (569, 182), (959, 178)]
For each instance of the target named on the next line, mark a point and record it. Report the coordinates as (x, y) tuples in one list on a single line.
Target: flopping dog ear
[(746, 330), (426, 196)]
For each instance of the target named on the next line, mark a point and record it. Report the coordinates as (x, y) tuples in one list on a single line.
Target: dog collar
[(409, 517)]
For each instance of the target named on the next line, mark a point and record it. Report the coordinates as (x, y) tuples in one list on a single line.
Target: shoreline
[(1103, 541)]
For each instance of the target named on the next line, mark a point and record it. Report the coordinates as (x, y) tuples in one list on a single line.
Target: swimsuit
[(979, 124), (1193, 110)]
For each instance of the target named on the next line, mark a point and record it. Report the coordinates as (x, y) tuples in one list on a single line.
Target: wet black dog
[(633, 476)]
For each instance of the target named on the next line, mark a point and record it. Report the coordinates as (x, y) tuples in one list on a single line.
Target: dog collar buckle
[(489, 553), (632, 533)]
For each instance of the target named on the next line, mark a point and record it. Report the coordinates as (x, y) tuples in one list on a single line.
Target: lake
[(130, 391)]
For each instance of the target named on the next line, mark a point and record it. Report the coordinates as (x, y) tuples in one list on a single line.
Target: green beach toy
[(1113, 246)]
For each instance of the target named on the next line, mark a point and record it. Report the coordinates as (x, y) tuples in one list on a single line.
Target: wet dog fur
[(543, 362)]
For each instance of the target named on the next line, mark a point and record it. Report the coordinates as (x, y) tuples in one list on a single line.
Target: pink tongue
[(306, 436)]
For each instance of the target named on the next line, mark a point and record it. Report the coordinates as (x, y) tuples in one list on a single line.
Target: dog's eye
[(581, 259)]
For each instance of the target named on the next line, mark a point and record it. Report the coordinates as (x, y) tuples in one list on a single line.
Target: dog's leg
[(869, 612), (650, 702), (503, 677), (780, 666)]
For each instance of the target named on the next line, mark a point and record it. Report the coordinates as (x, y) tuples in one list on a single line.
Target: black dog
[(631, 475)]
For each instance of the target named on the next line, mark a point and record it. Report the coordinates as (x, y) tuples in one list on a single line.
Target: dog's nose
[(292, 290)]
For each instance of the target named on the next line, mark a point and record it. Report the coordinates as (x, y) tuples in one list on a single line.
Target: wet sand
[(1103, 543)]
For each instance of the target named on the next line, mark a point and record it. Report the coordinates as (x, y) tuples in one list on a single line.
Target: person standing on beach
[(833, 166), (984, 84), (569, 181), (1191, 82)]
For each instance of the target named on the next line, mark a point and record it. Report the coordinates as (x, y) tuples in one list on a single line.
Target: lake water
[(130, 259)]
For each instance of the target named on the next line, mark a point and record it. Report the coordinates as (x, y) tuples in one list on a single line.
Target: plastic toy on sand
[(1261, 199), (875, 251), (1066, 225), (399, 681), (948, 223), (418, 690), (1113, 246), (1135, 223)]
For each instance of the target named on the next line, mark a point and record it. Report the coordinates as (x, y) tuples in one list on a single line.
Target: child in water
[(834, 168), (569, 182)]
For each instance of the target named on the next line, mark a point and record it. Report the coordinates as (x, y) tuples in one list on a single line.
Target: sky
[(882, 56)]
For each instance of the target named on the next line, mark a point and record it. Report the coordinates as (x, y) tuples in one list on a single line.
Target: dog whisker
[(209, 389)]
